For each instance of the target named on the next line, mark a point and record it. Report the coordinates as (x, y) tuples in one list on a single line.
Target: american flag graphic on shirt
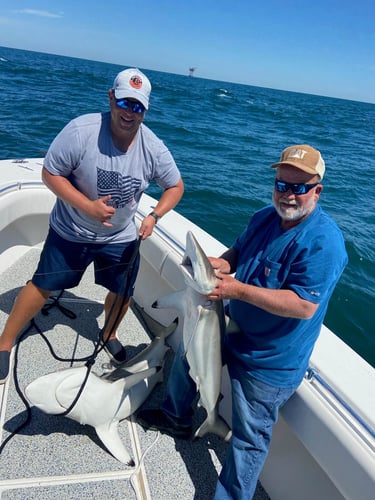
[(122, 188)]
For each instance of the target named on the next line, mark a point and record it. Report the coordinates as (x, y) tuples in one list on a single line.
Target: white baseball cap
[(132, 83)]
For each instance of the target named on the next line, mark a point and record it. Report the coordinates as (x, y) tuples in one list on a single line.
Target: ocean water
[(223, 136)]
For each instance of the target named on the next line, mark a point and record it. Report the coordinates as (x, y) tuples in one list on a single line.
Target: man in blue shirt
[(287, 263)]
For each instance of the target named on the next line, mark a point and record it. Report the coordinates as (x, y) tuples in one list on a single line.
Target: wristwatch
[(155, 216)]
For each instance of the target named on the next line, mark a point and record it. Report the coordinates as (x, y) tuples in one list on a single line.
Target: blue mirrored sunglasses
[(283, 187), (136, 107)]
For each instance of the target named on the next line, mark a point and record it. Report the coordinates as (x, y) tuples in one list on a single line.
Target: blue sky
[(324, 47)]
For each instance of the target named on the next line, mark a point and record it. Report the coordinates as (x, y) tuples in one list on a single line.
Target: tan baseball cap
[(304, 157)]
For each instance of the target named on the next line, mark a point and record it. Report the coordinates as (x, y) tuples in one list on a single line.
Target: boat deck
[(56, 457)]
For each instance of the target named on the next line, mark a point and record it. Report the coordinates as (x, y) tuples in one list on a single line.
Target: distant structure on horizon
[(191, 71)]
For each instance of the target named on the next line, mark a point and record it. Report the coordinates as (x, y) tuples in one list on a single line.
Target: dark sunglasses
[(136, 107), (283, 187)]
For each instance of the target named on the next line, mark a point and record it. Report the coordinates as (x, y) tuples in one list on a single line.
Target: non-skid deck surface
[(55, 457)]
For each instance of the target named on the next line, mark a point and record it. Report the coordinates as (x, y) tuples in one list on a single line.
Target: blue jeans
[(254, 412), (255, 408)]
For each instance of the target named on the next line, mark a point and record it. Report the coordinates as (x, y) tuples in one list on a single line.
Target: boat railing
[(17, 186), (336, 401)]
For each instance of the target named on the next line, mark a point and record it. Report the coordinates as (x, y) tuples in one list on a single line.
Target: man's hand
[(220, 265), (227, 287), (100, 211), (147, 227)]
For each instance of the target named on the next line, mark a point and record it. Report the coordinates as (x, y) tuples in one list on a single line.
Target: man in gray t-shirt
[(98, 166)]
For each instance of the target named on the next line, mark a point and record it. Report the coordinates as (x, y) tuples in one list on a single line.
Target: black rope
[(89, 360), (55, 303), (128, 275)]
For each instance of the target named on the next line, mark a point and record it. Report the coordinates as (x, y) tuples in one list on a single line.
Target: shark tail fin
[(217, 426)]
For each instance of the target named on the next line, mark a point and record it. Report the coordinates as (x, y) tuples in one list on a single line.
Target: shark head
[(197, 269)]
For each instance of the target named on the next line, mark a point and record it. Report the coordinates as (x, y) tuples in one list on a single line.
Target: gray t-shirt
[(84, 153)]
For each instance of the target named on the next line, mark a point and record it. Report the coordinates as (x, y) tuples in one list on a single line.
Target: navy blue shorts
[(62, 264)]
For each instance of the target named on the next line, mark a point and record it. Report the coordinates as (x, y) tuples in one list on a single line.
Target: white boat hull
[(323, 445)]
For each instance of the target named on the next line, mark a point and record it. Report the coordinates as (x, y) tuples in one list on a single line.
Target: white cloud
[(41, 13)]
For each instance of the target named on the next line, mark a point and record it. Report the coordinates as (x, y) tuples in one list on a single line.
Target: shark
[(105, 400), (204, 325)]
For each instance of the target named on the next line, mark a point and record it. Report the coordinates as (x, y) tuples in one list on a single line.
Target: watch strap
[(155, 216)]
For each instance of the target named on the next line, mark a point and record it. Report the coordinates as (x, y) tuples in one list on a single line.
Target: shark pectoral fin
[(135, 378), (173, 300), (149, 357), (138, 366), (138, 393), (109, 436), (156, 328)]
